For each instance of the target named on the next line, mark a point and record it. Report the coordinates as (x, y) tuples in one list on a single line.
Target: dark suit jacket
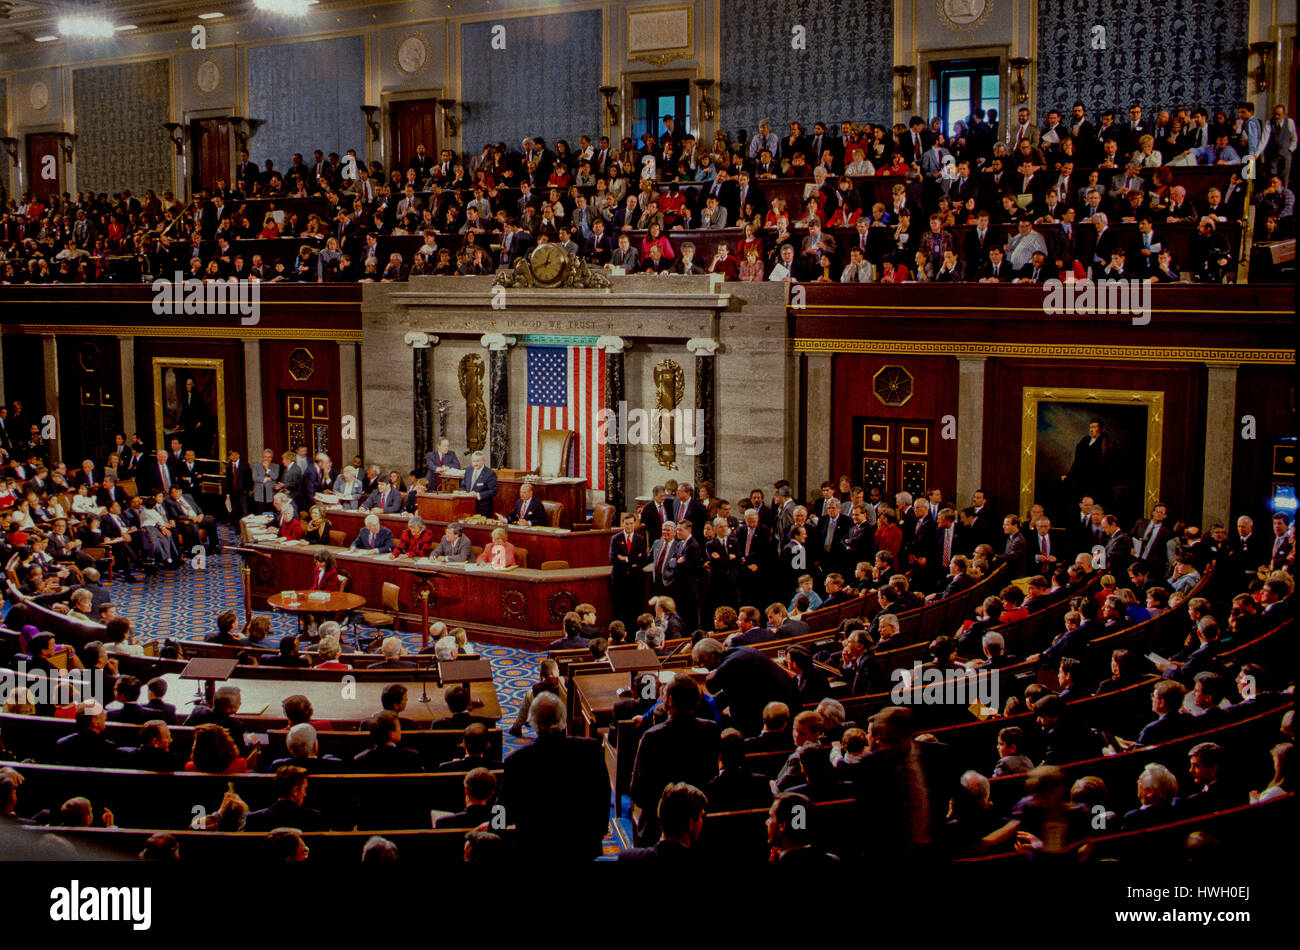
[(532, 511), (569, 818), (381, 540), (654, 525), (629, 571), (681, 749), (433, 461), (1014, 554), (389, 504), (387, 759), (485, 486)]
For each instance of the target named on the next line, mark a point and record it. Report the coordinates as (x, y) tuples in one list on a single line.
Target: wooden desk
[(261, 700), (518, 607), (596, 695), (572, 495), (335, 604), (444, 506), (588, 548)]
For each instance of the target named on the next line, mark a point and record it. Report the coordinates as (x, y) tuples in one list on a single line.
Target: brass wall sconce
[(174, 133), (371, 122), (904, 91), (66, 141), (707, 109), (1264, 50), (611, 107), (1019, 64), (449, 117)]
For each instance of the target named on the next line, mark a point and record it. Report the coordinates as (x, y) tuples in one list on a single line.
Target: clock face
[(548, 264)]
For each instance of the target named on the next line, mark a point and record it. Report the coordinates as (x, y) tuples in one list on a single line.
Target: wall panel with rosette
[(119, 112), (1161, 53), (843, 70)]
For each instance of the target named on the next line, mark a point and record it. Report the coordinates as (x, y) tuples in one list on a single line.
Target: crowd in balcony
[(986, 201)]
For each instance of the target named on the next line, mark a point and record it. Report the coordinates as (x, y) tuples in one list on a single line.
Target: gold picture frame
[(168, 377), (1035, 396)]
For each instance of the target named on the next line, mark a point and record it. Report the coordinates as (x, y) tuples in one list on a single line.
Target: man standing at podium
[(444, 457), (482, 481)]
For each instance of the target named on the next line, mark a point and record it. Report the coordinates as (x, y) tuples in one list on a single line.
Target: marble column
[(50, 347), (615, 397), (970, 428), (1221, 423), (253, 407), (498, 346), (817, 420), (349, 403), (126, 350), (702, 426), (422, 436)]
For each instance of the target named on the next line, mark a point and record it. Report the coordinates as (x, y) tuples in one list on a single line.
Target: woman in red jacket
[(287, 523), (889, 536), (415, 540)]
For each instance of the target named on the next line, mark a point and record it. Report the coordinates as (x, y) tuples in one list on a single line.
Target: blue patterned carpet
[(184, 605)]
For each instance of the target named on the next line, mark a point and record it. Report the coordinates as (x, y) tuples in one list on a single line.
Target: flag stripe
[(566, 390)]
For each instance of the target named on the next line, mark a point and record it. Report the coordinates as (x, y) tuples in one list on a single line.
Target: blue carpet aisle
[(184, 604)]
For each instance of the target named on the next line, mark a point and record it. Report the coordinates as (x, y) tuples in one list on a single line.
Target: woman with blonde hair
[(499, 552)]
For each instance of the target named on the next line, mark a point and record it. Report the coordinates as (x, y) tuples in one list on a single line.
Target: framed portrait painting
[(189, 403), (1102, 443)]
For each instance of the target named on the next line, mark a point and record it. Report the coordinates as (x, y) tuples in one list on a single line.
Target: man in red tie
[(1045, 556), (628, 557)]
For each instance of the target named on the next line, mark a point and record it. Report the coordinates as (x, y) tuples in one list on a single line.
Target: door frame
[(387, 147), (926, 58), (183, 174), (24, 174), (629, 79)]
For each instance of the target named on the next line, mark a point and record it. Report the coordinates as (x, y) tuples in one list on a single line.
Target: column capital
[(613, 344), (702, 346), (497, 342), (419, 341)]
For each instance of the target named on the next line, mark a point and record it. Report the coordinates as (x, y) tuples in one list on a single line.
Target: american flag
[(566, 390)]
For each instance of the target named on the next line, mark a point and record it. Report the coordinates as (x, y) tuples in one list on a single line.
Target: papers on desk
[(318, 595), (296, 542), (327, 498), (458, 472), (559, 480), (487, 568), (364, 552)]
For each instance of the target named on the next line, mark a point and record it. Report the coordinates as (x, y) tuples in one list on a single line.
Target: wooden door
[(893, 455), (306, 420), (413, 121), (210, 152), (43, 172)]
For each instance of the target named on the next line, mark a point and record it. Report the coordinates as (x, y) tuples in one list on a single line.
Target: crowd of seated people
[(732, 583), (476, 213)]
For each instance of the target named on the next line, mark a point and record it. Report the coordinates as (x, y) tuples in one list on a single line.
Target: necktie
[(830, 535), (1043, 545), (166, 477), (947, 546), (663, 555), (749, 539)]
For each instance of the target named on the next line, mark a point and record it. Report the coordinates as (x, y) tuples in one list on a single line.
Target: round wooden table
[(338, 604)]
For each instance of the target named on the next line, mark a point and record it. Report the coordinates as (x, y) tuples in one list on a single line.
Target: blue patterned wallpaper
[(544, 82), (307, 96), (844, 73), (1160, 53), (119, 112)]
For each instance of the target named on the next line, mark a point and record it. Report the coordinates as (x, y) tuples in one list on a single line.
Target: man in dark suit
[(924, 549), (1170, 722), (87, 747), (1013, 554), (1151, 540), (689, 509), (385, 755), (527, 510), (914, 143), (387, 497), (684, 572), (482, 481), (565, 819), (156, 475), (1119, 547), (241, 486), (754, 545), (681, 749), (658, 510), (374, 536), (441, 457), (191, 521), (743, 681), (827, 541), (628, 557), (1248, 549)]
